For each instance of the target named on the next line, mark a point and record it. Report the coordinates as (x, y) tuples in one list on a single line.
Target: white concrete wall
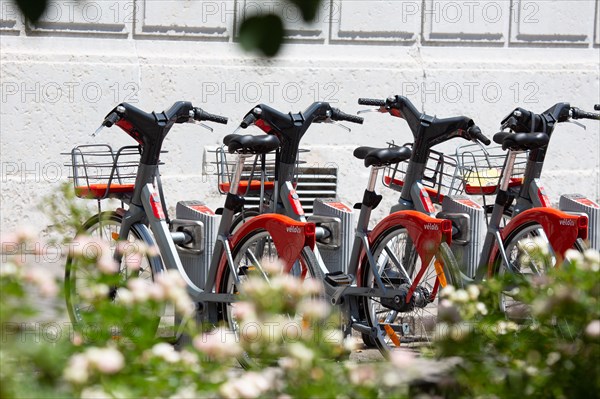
[(478, 58)]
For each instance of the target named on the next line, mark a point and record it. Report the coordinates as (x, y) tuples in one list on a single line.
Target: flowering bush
[(288, 332), (290, 337), (551, 350)]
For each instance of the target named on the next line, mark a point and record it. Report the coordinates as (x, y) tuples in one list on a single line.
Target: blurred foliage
[(263, 32), (548, 347)]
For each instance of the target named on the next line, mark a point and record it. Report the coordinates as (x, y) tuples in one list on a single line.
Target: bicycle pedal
[(339, 278)]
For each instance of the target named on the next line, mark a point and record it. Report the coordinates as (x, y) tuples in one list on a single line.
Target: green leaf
[(262, 32), (32, 9), (308, 8)]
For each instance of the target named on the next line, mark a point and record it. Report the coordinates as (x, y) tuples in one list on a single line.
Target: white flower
[(219, 343), (402, 358), (140, 289), (125, 296), (574, 256), (593, 329), (593, 258), (362, 374), (552, 358), (95, 292), (9, 269), (249, 385), (187, 392), (76, 371), (504, 327), (94, 393), (166, 352), (244, 310), (473, 292), (481, 308), (312, 309), (43, 280), (300, 352), (460, 296), (350, 344), (105, 360)]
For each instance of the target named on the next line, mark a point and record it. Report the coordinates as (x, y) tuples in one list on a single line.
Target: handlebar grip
[(476, 133), (248, 120), (371, 101), (338, 115), (597, 107), (201, 115), (581, 114), (111, 119)]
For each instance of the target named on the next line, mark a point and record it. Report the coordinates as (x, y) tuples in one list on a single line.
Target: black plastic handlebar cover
[(597, 107), (338, 115), (201, 115), (371, 102), (581, 114), (475, 132), (111, 119)]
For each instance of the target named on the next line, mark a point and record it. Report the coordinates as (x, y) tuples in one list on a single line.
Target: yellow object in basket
[(484, 177)]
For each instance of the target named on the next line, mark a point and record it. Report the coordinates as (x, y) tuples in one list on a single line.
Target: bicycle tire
[(306, 268), (103, 226), (410, 325), (514, 251)]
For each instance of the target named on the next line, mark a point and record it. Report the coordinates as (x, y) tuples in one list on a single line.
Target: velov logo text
[(567, 222), (293, 229), (431, 226)]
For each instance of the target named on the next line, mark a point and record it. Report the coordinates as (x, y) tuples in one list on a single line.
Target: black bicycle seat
[(521, 141), (249, 144), (382, 156)]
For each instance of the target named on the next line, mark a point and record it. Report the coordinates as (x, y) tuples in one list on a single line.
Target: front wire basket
[(439, 177), (98, 172), (480, 169)]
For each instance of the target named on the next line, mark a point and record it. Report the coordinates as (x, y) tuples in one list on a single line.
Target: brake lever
[(381, 110), (97, 132), (329, 120), (210, 129), (577, 123)]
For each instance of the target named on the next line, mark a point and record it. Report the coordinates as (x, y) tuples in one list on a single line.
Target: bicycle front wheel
[(249, 257), (524, 241), (406, 323), (81, 275)]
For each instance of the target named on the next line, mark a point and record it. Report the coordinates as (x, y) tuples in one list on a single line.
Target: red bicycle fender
[(289, 236), (562, 229), (426, 233)]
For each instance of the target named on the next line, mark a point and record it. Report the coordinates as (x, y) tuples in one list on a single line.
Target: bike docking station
[(580, 204)]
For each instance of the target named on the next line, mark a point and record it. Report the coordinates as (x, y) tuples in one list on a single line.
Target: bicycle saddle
[(249, 144), (382, 156), (521, 141)]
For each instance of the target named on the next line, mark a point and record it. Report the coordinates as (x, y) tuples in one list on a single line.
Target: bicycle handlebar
[(338, 115), (524, 121), (371, 102), (476, 134), (577, 113), (201, 115)]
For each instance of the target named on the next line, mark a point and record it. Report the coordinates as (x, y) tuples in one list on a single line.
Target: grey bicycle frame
[(141, 211)]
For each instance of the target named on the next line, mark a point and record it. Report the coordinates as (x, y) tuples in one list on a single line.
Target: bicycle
[(500, 252), (529, 194), (146, 218), (369, 283)]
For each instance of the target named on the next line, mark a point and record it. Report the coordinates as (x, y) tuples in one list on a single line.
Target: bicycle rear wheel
[(405, 323), (81, 275), (249, 255)]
